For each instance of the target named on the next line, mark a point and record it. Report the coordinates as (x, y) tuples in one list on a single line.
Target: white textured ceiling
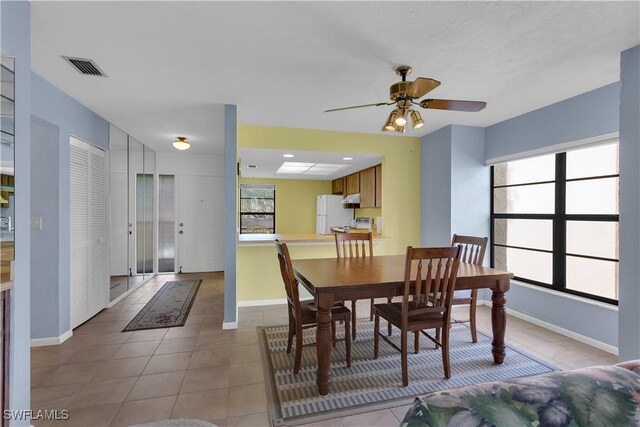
[(171, 65)]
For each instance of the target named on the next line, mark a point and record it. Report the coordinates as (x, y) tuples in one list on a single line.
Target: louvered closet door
[(79, 159), (88, 232)]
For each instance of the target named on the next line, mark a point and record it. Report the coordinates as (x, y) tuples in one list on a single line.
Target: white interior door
[(200, 223), (89, 272)]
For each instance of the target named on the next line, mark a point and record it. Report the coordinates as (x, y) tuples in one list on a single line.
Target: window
[(257, 209), (555, 221)]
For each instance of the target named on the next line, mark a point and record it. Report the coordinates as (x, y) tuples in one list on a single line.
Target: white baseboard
[(40, 342), (562, 331), (229, 325), (259, 302)]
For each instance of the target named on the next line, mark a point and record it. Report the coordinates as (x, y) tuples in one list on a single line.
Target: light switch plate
[(36, 223)]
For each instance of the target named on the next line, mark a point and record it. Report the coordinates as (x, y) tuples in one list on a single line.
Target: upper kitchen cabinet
[(352, 183), (378, 186), (337, 186), (368, 188)]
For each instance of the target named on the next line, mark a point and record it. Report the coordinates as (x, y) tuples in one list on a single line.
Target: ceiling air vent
[(85, 66)]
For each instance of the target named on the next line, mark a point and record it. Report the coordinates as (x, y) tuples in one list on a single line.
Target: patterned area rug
[(169, 306), (374, 384)]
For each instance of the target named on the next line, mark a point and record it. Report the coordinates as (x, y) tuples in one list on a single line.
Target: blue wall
[(230, 239), (584, 116), (58, 109), (45, 203), (629, 332), (435, 188), (470, 183), (16, 41), (589, 114), (455, 185), (456, 196)]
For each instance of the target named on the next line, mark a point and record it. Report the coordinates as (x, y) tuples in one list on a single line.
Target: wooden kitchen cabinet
[(368, 188), (337, 186), (352, 183), (378, 169)]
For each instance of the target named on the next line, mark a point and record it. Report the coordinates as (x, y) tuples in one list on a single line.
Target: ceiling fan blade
[(421, 86), (452, 104), (359, 106)]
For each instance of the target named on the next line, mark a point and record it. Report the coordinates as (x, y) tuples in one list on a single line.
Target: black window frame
[(241, 213), (559, 234)]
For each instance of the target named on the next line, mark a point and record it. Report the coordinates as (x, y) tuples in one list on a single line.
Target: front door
[(200, 223)]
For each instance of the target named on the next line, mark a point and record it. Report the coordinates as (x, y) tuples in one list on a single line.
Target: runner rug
[(374, 384), (169, 307)]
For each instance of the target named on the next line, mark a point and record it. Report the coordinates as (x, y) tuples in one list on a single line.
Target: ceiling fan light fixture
[(181, 143), (401, 119), (391, 121), (405, 95), (400, 129), (416, 119)]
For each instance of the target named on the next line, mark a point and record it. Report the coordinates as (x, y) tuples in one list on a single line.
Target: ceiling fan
[(404, 94)]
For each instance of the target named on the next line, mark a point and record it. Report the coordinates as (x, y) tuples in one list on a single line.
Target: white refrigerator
[(331, 213)]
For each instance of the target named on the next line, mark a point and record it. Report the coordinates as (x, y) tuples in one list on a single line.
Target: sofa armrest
[(600, 395)]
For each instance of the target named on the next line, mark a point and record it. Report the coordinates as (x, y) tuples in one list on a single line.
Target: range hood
[(352, 199)]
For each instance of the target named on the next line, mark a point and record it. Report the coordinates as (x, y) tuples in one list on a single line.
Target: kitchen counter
[(296, 239)]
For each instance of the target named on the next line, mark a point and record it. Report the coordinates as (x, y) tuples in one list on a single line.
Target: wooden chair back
[(289, 278), (354, 245), (436, 270), (473, 248)]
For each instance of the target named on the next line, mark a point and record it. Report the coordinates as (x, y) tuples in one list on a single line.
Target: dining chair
[(425, 305), (355, 245), (302, 314), (472, 252)]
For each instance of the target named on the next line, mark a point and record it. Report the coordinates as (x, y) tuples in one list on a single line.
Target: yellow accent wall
[(295, 202), (258, 276)]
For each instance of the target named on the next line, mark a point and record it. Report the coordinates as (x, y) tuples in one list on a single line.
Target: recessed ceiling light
[(347, 158), (287, 155)]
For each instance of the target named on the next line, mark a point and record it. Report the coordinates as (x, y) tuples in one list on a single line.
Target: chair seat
[(309, 312), (393, 313)]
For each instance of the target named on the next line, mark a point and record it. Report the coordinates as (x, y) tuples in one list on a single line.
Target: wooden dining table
[(342, 279)]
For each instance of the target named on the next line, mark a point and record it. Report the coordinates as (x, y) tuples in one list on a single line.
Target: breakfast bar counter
[(296, 239)]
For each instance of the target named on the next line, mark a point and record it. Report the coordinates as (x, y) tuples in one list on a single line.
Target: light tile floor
[(109, 378)]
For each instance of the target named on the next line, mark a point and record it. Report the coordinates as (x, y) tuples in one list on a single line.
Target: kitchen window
[(555, 221), (257, 209)]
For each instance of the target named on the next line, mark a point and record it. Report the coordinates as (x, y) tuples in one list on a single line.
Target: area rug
[(169, 307), (374, 384)]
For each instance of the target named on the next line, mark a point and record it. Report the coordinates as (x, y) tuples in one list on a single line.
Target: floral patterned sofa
[(595, 396)]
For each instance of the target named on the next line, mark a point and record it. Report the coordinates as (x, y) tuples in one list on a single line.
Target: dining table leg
[(323, 343), (498, 322)]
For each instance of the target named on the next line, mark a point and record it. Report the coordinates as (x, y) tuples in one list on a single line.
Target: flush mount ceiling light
[(181, 143), (288, 156), (404, 95), (347, 158)]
